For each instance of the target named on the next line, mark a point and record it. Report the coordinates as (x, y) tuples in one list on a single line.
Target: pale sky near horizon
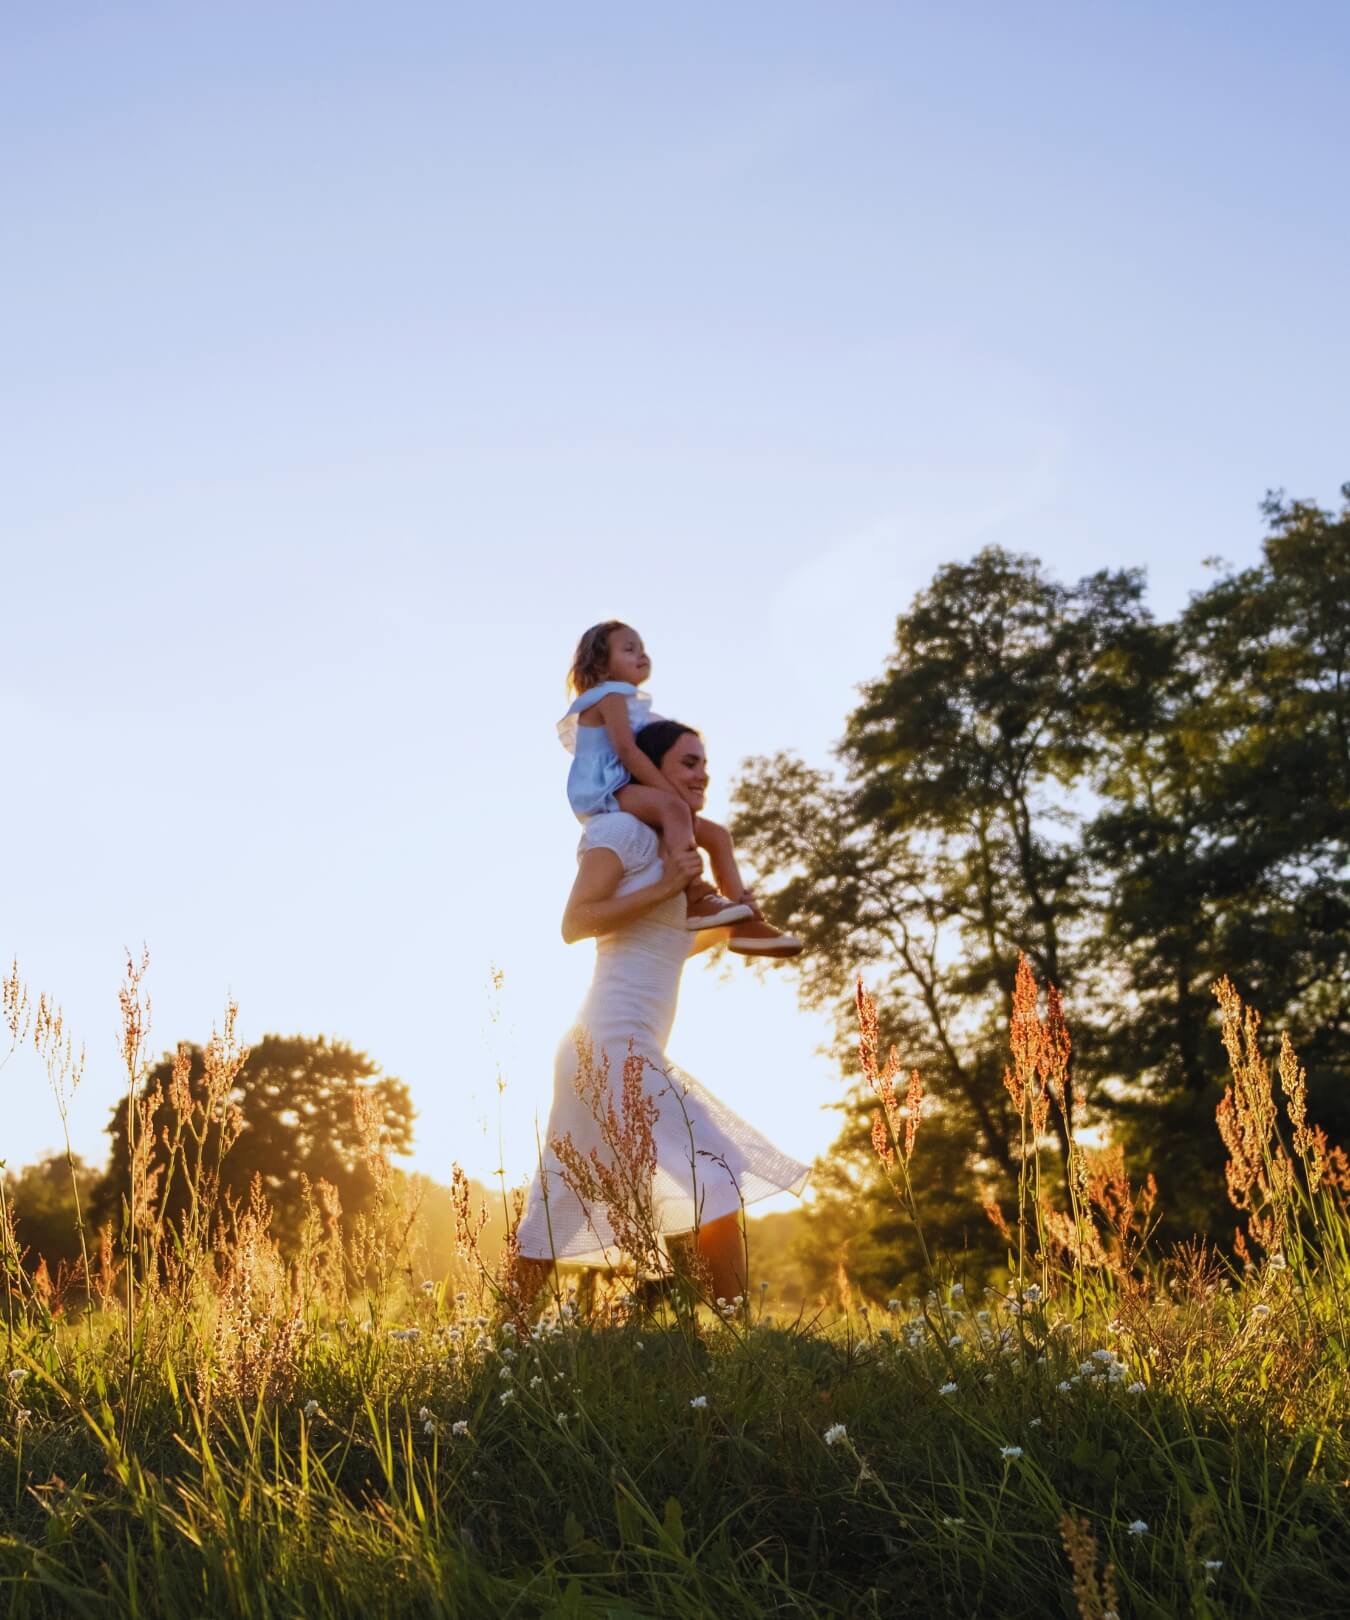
[(356, 358)]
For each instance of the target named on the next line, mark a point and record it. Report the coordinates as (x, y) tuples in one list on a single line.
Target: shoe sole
[(765, 947), (723, 919)]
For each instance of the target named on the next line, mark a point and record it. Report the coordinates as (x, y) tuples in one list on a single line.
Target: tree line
[(1140, 805)]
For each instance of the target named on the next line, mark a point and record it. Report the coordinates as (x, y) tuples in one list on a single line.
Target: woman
[(709, 1162)]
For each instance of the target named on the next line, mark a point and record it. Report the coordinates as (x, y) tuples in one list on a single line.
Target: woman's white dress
[(709, 1161)]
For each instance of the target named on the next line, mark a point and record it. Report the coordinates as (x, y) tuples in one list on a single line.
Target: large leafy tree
[(952, 842), (1141, 807), (1221, 844), (306, 1109)]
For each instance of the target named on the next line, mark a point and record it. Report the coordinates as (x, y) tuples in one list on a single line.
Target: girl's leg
[(755, 936), (669, 814), (716, 841)]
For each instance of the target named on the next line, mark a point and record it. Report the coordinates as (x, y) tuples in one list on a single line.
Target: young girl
[(611, 772)]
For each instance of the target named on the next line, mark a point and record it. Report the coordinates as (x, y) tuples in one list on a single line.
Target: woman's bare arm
[(594, 908)]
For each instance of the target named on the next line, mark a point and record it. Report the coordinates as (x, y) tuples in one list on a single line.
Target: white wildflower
[(1104, 1356), (428, 1287), (1032, 1293), (1064, 1386), (1011, 1453), (955, 1342), (1257, 1310), (893, 1305), (639, 1345), (535, 1383), (1278, 1262), (506, 1395), (1134, 1389), (699, 1402), (16, 1375), (958, 1292), (429, 1427), (947, 1389), (1137, 1527), (948, 1519), (22, 1416), (1034, 1423), (459, 1426), (835, 1433), (311, 1408)]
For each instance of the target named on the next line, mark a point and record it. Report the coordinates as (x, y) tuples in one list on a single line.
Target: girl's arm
[(594, 908), (613, 710)]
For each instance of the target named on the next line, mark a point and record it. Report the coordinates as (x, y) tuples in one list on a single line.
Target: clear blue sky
[(357, 357)]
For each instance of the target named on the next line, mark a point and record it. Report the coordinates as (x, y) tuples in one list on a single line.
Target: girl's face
[(628, 660), (685, 767)]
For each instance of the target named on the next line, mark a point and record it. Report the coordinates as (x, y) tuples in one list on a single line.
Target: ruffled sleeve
[(636, 845), (567, 726)]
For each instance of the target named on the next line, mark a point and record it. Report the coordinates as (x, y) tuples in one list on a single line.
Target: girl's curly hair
[(591, 658)]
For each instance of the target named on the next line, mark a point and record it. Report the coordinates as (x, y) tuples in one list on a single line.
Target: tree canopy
[(1138, 806), (303, 1107)]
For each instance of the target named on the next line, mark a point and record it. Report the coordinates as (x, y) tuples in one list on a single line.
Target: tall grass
[(210, 1427)]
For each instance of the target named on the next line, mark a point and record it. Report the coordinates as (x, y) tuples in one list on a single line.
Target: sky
[(356, 358)]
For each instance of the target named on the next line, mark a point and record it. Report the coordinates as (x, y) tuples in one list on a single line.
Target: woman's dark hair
[(657, 739)]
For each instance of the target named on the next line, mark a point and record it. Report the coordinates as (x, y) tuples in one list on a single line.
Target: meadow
[(206, 1425)]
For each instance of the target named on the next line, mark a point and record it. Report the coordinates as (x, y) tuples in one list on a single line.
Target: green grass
[(597, 1488), (1124, 1435)]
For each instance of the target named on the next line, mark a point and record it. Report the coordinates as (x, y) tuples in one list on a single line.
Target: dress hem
[(607, 1260)]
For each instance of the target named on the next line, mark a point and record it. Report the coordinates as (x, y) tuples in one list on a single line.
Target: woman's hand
[(678, 871)]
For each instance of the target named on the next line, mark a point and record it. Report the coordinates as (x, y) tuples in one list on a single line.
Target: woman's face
[(685, 766)]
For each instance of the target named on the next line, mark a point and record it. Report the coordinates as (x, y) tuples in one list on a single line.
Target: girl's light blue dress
[(597, 772)]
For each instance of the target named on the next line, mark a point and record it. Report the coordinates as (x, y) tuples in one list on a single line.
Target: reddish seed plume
[(891, 1123), (881, 1139), (913, 1111)]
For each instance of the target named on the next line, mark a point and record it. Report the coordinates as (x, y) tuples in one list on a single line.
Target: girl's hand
[(678, 871)]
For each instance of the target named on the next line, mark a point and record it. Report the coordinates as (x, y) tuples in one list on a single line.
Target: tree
[(952, 844), (42, 1197), (305, 1108), (1221, 845), (1140, 807)]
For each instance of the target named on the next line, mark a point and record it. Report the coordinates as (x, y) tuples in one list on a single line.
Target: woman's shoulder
[(633, 841)]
